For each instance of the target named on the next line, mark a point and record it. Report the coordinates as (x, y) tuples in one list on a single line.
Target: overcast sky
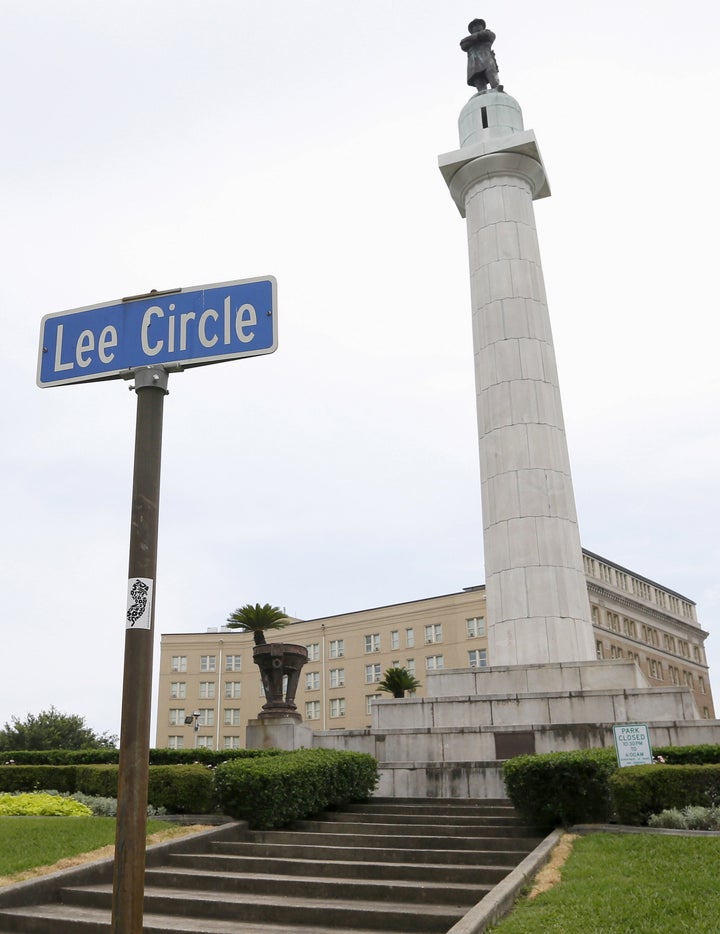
[(170, 143)]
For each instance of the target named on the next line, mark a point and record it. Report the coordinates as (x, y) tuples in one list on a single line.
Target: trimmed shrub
[(182, 789), (111, 756), (272, 792), (28, 778), (100, 781), (642, 790), (561, 788), (689, 755)]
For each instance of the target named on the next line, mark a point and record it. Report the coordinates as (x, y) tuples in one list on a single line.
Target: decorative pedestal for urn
[(277, 661), (279, 725)]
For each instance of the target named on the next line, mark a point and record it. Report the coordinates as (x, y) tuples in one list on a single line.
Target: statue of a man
[(482, 66)]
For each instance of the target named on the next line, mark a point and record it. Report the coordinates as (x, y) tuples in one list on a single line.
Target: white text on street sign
[(188, 327)]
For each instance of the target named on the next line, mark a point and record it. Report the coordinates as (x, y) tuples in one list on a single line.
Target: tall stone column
[(537, 603)]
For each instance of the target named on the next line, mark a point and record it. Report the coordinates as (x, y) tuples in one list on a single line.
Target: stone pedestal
[(278, 733)]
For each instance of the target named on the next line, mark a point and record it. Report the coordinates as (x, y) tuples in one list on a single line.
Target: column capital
[(516, 155)]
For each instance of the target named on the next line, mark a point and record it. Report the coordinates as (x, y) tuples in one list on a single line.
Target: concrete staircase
[(392, 865)]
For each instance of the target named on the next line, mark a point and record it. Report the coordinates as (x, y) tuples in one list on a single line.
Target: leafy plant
[(692, 817), (397, 681), (257, 620), (41, 805)]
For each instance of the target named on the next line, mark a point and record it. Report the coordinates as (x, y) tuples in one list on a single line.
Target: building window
[(372, 642), (337, 648), (369, 698), (689, 680), (312, 710), (233, 663), (599, 653), (337, 707), (179, 663), (177, 716), (653, 668), (395, 639), (205, 742), (312, 681), (231, 717), (696, 654), (434, 662), (313, 651), (477, 658), (372, 674), (178, 689), (613, 622), (433, 633), (409, 638), (629, 628), (706, 713), (595, 615), (669, 643), (231, 742), (232, 689), (410, 665), (337, 677), (701, 684), (475, 627), (176, 742), (207, 689), (207, 663), (207, 716)]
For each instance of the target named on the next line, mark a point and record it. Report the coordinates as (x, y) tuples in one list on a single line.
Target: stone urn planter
[(277, 660)]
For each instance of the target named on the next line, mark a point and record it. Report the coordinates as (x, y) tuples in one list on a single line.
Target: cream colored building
[(212, 674)]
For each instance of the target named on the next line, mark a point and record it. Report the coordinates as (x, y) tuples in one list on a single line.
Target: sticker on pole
[(139, 603), (632, 744)]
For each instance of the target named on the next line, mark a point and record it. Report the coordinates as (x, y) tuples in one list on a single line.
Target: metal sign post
[(130, 837), (143, 337)]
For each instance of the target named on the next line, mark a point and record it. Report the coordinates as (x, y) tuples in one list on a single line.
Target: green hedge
[(561, 788), (111, 756), (641, 790), (689, 755), (272, 792), (180, 789), (37, 778)]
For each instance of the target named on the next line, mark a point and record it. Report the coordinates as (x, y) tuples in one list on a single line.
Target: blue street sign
[(178, 329)]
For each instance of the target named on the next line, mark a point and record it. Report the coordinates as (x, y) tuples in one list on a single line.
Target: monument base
[(278, 733)]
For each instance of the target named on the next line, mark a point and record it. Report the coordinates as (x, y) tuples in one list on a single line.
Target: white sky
[(169, 143)]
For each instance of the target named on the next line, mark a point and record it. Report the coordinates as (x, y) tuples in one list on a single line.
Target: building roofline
[(646, 580)]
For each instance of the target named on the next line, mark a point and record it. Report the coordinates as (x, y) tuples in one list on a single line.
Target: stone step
[(325, 887), (318, 836), (253, 908), (424, 829), (66, 919), (418, 854), (349, 869), (429, 819)]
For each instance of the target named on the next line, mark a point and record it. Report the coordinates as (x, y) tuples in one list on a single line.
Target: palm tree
[(398, 680), (257, 620)]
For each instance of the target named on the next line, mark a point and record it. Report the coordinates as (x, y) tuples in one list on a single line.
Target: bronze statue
[(482, 66)]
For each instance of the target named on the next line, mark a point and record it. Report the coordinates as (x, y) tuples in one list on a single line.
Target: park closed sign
[(632, 744)]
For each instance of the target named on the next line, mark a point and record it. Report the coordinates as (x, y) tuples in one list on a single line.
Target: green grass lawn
[(628, 884), (28, 842)]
